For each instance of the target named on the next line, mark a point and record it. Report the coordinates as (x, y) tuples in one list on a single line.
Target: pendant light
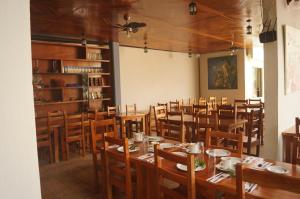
[(83, 40), (190, 53), (145, 48), (249, 27), (193, 8)]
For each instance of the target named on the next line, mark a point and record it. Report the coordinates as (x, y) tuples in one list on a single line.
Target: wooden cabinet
[(71, 77)]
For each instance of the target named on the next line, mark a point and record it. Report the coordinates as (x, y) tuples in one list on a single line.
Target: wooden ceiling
[(169, 25)]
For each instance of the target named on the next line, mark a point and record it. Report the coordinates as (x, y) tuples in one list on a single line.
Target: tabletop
[(227, 185)]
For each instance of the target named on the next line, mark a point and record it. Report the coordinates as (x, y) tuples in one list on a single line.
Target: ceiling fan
[(130, 27)]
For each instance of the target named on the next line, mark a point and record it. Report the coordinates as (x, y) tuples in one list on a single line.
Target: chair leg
[(83, 146), (67, 150), (258, 149), (50, 154)]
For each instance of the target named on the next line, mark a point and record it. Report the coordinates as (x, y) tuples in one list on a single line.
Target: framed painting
[(222, 72), (292, 59)]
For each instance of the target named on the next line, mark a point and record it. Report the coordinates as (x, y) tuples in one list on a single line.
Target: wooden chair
[(132, 125), (254, 131), (117, 167), (265, 179), (174, 106), (296, 150), (112, 111), (99, 129), (159, 112), (173, 130), (163, 104), (74, 132), (164, 172), (240, 104), (202, 109), (202, 101), (205, 123), (43, 136), (213, 100), (218, 135), (56, 125), (297, 122), (226, 112), (224, 101)]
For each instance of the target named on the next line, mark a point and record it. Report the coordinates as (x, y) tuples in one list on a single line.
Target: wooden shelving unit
[(71, 77)]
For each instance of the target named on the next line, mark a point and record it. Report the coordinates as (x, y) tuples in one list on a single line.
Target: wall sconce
[(193, 8), (190, 53), (249, 27), (145, 48)]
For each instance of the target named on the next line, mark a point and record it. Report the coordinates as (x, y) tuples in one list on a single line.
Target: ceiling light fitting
[(193, 8), (249, 27), (190, 53), (145, 48)]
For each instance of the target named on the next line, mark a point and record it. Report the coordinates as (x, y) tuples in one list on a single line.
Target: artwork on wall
[(222, 73), (292, 59)]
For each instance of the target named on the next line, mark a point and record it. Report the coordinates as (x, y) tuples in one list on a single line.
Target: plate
[(234, 161), (189, 151), (218, 152), (180, 153), (183, 167), (277, 169), (166, 145), (154, 138), (121, 149)]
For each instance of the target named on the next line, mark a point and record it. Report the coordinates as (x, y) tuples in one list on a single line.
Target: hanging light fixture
[(145, 48), (193, 8), (233, 49), (249, 27), (190, 53)]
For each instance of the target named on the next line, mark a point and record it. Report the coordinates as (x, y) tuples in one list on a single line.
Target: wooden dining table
[(147, 183)]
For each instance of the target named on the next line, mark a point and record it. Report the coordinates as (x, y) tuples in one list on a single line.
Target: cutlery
[(252, 188), (219, 178), (209, 179)]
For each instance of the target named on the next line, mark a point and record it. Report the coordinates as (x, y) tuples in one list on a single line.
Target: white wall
[(288, 105), (156, 76), (230, 93), (19, 173)]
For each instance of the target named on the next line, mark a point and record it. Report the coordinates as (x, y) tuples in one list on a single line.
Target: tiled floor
[(71, 179)]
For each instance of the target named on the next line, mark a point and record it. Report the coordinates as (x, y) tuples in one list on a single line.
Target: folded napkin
[(249, 187), (145, 156)]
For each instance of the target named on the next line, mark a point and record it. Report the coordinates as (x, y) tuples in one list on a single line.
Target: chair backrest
[(240, 103), (207, 122), (56, 118), (130, 109), (265, 179), (202, 109), (213, 100), (116, 175), (112, 111), (255, 124), (296, 150), (100, 128), (202, 101), (43, 133), (213, 137), (74, 125), (174, 106), (173, 130), (163, 104), (164, 172), (226, 112), (192, 101), (254, 101), (224, 101), (297, 124)]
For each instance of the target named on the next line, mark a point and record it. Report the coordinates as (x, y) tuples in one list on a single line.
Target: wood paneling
[(169, 25)]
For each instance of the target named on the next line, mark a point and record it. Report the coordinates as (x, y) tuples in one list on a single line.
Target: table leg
[(144, 124), (123, 128)]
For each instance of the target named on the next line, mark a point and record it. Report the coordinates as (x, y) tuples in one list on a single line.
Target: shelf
[(58, 88), (102, 99), (99, 86), (60, 102), (88, 60)]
